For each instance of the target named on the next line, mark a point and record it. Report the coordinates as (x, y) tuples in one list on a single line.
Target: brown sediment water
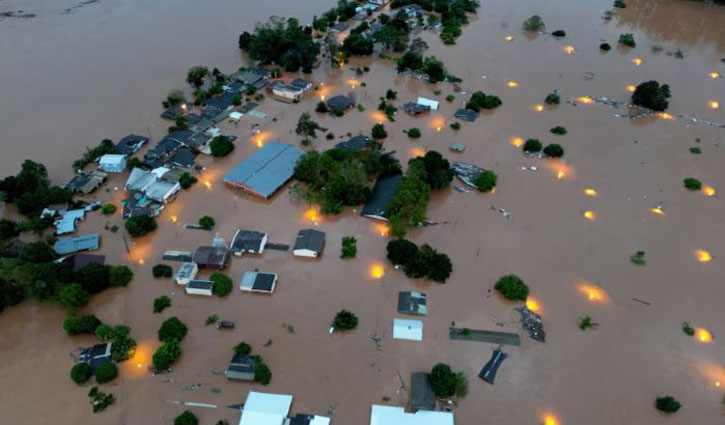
[(102, 70)]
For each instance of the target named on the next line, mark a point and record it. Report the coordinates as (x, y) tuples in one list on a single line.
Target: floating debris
[(461, 189), (506, 214), (467, 172), (532, 324)]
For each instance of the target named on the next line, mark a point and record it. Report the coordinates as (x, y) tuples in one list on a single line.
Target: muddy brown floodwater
[(71, 79)]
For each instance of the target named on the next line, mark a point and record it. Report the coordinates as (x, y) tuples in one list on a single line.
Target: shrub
[(100, 400), (210, 320), (585, 322), (638, 258), (620, 4), (391, 94), (360, 107), (262, 374), (140, 225), (175, 97), (401, 251), (243, 349), (108, 209), (186, 418), (695, 150), (349, 247), (321, 107), (161, 303), (552, 98), (456, 126), (667, 404), (187, 180), (532, 145), (379, 132), (206, 222), (446, 383), (627, 39), (172, 329), (480, 100), (605, 47), (166, 355), (486, 181), (222, 284), (161, 270), (220, 147), (553, 151), (692, 184), (119, 276), (414, 133), (687, 329), (534, 23), (512, 287), (559, 33), (344, 320), (558, 130), (81, 373), (236, 100), (81, 325), (106, 372), (652, 95), (450, 98)]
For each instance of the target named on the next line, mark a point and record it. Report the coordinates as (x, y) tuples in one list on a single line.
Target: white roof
[(408, 329), (160, 190), (395, 415), (265, 409), (160, 171), (235, 116), (428, 102), (320, 420), (112, 159), (139, 179)]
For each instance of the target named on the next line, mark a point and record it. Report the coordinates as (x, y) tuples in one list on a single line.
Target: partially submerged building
[(356, 143), (412, 302), (86, 182), (248, 241), (383, 193), (186, 273), (407, 329), (255, 281), (113, 163), (309, 243), (200, 287), (96, 356), (266, 170), (130, 144), (396, 415), (207, 257), (430, 103), (68, 221), (466, 114), (273, 409), (422, 396), (340, 103), (152, 184), (241, 368), (467, 172), (285, 92), (80, 261), (414, 108), (71, 244)]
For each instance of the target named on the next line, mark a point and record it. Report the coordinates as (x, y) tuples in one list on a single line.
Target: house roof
[(186, 271), (80, 261), (96, 355), (265, 409), (412, 302), (73, 244), (339, 27), (408, 329), (247, 240), (200, 284), (266, 170), (86, 182), (160, 190), (383, 192), (171, 113), (340, 102), (415, 108), (183, 157), (466, 114), (302, 419), (139, 179), (301, 83), (421, 392), (211, 256), (130, 144), (395, 415), (258, 281), (311, 239), (241, 367), (112, 159), (356, 143), (432, 104)]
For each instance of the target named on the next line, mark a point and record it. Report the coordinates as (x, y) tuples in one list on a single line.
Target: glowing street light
[(590, 215), (585, 99), (638, 61), (569, 49), (509, 38), (714, 75), (533, 304), (666, 116), (708, 190), (593, 292), (512, 84), (539, 108), (657, 210), (517, 141), (377, 271), (631, 88), (703, 256), (590, 192), (714, 104), (550, 419), (703, 335)]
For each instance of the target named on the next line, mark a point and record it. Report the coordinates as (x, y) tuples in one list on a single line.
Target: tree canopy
[(286, 43), (652, 95)]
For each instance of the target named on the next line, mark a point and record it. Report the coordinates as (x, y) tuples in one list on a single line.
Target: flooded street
[(101, 71)]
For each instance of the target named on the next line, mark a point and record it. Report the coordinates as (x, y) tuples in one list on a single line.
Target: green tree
[(345, 320), (486, 181), (37, 252), (172, 329), (559, 130), (243, 349), (81, 373), (161, 270), (437, 169), (401, 251), (187, 180), (8, 229), (321, 107), (119, 276), (306, 127), (140, 225), (175, 97), (220, 147), (222, 284), (108, 209), (196, 76), (414, 133), (262, 374), (349, 247), (283, 42), (168, 353), (378, 132), (186, 418), (627, 39), (667, 404), (72, 296), (161, 303), (553, 151), (534, 24), (652, 95), (435, 69), (552, 98), (106, 372), (443, 380), (532, 146), (357, 45), (512, 287), (692, 183), (81, 325), (206, 222), (480, 100)]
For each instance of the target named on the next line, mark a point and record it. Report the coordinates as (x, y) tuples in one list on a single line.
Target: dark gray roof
[(86, 182), (241, 367), (248, 107), (339, 27), (466, 114), (211, 256), (266, 170), (412, 302), (488, 373), (415, 108), (200, 284), (383, 192), (183, 157), (311, 239), (421, 392), (247, 240), (301, 419), (356, 143), (300, 83), (130, 144), (340, 102), (79, 261), (97, 355), (171, 113), (264, 282)]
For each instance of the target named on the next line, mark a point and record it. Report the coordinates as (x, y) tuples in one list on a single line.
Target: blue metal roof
[(266, 170), (77, 243)]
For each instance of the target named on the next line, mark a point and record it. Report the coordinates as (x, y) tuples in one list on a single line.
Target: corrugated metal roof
[(266, 170), (77, 243)]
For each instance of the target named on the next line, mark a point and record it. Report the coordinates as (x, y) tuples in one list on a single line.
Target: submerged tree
[(652, 95)]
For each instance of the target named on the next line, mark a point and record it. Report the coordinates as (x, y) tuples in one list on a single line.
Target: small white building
[(200, 287), (395, 415), (113, 163), (408, 329), (187, 272), (428, 102), (288, 92)]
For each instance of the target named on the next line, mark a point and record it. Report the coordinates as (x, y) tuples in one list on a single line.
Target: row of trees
[(423, 262), (31, 191), (171, 332), (283, 42)]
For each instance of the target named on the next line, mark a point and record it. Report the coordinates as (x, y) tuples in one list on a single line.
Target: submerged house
[(68, 221), (415, 108), (266, 170), (412, 302), (309, 243), (396, 415), (80, 261), (273, 409), (152, 184), (466, 114), (356, 143), (301, 83), (407, 329), (200, 287), (340, 103), (187, 272), (113, 163), (86, 182), (130, 144), (254, 281), (166, 148), (241, 368), (430, 103), (285, 92), (207, 257), (383, 193), (72, 244), (250, 241), (96, 356), (467, 172), (421, 392)]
